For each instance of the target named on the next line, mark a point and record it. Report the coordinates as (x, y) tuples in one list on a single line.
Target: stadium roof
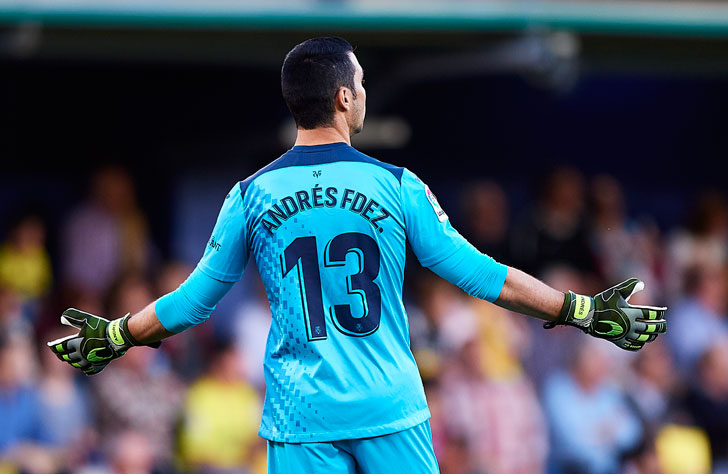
[(645, 17)]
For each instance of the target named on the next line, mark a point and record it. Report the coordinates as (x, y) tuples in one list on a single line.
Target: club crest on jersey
[(441, 216)]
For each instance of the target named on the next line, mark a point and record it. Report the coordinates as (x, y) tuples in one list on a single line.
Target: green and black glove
[(609, 316), (98, 342)]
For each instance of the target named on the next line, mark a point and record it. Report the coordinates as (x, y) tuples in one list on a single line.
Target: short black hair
[(311, 76)]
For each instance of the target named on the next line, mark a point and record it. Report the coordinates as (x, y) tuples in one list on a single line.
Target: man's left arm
[(607, 315), (439, 247), (443, 250), (527, 295)]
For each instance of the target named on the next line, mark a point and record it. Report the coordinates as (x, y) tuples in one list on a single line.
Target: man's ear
[(343, 98)]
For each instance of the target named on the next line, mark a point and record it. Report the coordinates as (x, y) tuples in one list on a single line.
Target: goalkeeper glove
[(609, 316), (98, 342)]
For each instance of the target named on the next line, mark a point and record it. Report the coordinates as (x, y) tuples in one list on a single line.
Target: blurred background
[(582, 141)]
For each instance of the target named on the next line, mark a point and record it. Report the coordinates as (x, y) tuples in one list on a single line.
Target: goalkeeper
[(327, 227)]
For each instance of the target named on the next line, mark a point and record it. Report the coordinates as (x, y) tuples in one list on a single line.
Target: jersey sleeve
[(227, 250), (191, 303), (441, 248), (428, 228)]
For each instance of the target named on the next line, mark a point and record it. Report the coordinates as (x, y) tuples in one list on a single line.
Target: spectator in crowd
[(505, 340), (554, 231), (221, 417), (444, 320), (654, 383), (187, 351), (131, 452), (703, 241), (701, 313), (25, 266), (622, 247), (23, 440), (252, 322), (13, 325), (592, 424), (484, 207), (707, 401), (553, 351), (65, 408), (498, 417), (139, 394), (128, 452), (106, 236), (139, 398), (455, 458), (682, 449)]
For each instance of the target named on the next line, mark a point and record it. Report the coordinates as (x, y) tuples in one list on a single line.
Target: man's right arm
[(100, 341), (189, 305), (146, 327)]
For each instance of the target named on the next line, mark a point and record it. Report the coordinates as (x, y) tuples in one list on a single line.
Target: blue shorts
[(405, 452)]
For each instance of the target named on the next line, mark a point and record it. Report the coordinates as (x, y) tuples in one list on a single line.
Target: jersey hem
[(381, 430)]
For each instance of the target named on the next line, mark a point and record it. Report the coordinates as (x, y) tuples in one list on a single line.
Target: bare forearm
[(527, 295), (145, 326)]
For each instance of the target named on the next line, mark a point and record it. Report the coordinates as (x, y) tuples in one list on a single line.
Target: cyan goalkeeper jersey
[(327, 227)]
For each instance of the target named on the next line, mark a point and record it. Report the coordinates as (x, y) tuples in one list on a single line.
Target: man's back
[(326, 226)]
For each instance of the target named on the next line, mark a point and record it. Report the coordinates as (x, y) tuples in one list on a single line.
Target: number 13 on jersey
[(302, 254)]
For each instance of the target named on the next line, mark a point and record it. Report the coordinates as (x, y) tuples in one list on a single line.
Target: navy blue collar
[(317, 148)]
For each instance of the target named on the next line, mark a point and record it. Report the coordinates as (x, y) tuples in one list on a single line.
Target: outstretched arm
[(99, 341), (527, 295), (608, 315), (479, 275), (187, 306), (145, 326), (443, 250)]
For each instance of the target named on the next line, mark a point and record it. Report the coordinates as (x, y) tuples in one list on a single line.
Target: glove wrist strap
[(565, 308), (580, 311), (117, 332), (563, 314), (577, 310)]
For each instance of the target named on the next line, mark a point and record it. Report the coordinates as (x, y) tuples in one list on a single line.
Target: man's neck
[(322, 136)]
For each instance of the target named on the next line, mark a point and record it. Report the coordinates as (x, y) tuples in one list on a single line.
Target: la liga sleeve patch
[(439, 212)]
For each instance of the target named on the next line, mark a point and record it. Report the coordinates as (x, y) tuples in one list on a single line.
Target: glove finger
[(643, 338), (70, 357), (651, 312), (652, 327), (629, 287), (94, 369), (60, 345), (653, 319), (71, 352), (75, 317), (82, 364)]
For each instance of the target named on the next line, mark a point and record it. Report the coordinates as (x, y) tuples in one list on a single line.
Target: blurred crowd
[(506, 395)]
